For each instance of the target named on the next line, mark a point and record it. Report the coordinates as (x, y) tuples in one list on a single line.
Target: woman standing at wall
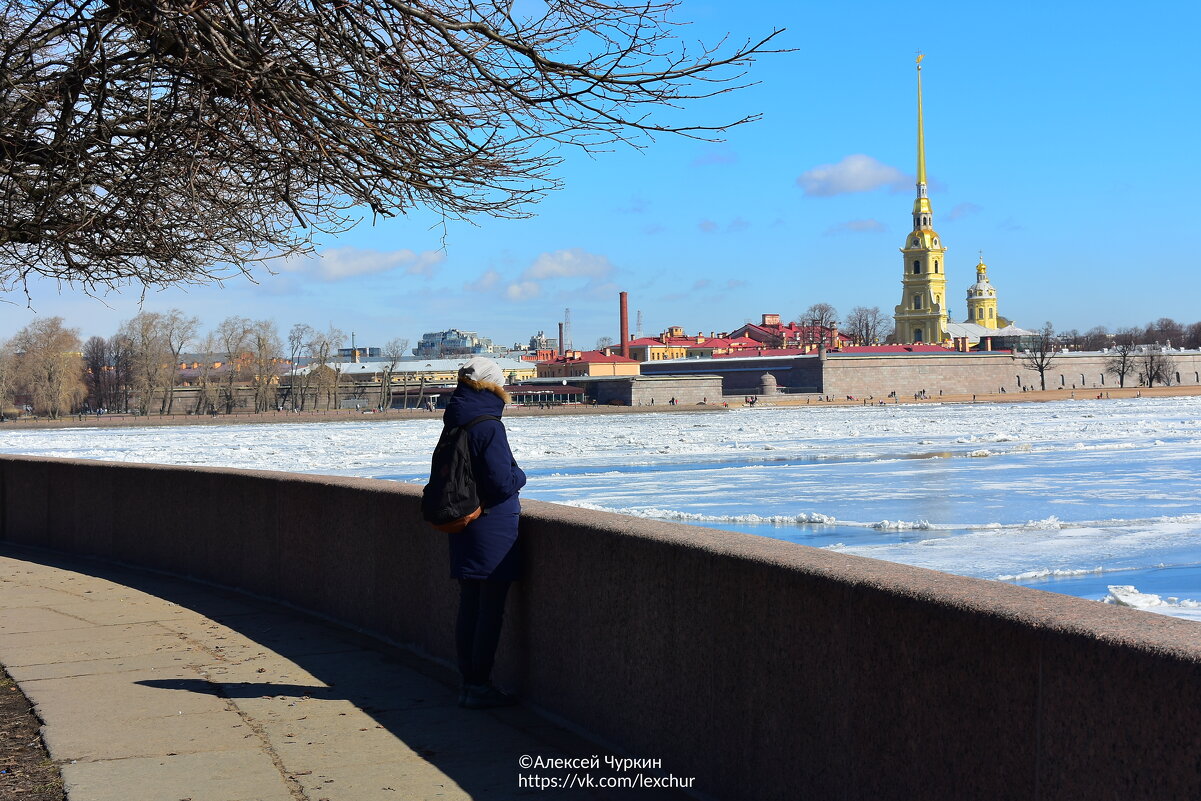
[(485, 557)]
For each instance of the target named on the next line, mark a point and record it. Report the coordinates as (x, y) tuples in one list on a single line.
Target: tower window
[(979, 314), (917, 301), (990, 313), (917, 335), (936, 262), (917, 267)]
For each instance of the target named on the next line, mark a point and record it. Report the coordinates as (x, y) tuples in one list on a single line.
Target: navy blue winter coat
[(488, 547)]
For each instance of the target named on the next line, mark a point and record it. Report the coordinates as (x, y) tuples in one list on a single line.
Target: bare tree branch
[(153, 142)]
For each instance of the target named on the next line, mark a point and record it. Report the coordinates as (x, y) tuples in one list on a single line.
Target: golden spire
[(921, 135), (922, 216)]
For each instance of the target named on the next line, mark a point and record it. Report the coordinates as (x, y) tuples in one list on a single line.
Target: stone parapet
[(762, 668)]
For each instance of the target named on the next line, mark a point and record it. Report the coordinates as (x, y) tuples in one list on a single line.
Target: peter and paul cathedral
[(921, 316)]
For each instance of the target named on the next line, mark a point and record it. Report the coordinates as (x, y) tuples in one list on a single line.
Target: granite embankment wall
[(764, 669)]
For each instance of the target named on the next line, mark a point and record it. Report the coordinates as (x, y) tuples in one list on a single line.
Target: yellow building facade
[(921, 316), (982, 300), (590, 363)]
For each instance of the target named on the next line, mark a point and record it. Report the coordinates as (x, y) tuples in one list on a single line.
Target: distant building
[(418, 371), (675, 344), (771, 333), (588, 363), (541, 341), (452, 342), (541, 348), (647, 349), (370, 353)]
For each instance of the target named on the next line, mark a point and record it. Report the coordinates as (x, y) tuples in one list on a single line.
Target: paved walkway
[(161, 689)]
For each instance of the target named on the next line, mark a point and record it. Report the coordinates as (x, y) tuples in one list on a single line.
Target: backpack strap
[(480, 419)]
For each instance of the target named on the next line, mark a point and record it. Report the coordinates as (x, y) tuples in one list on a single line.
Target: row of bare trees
[(41, 363), (239, 363), (1132, 353), (1164, 332), (867, 325)]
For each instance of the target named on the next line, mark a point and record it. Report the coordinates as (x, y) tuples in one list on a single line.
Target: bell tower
[(921, 315), (982, 299)]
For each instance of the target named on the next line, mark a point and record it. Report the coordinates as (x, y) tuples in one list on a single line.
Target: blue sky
[(1062, 140)]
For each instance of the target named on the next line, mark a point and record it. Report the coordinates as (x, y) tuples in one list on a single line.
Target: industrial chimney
[(625, 324), (561, 351)]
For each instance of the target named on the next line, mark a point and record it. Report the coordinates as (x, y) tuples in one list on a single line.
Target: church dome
[(983, 288)]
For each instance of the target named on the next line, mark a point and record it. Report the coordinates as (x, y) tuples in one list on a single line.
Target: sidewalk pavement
[(156, 688)]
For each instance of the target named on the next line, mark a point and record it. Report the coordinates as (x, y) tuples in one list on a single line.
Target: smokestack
[(561, 351), (625, 324)]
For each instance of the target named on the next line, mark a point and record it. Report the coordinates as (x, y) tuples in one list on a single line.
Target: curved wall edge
[(764, 669)]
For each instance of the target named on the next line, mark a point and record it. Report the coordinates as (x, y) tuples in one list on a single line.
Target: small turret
[(982, 299)]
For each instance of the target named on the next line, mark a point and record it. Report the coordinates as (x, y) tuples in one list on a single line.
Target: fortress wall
[(961, 373), (744, 375), (764, 669)]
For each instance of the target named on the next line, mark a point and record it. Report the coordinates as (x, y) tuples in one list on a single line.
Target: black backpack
[(450, 501)]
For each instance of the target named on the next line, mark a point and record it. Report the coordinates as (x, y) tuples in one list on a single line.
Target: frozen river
[(1100, 499)]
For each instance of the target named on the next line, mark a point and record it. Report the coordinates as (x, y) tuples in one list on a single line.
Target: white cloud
[(572, 263), (857, 226), (337, 264), (708, 226), (485, 283), (855, 173), (523, 290), (579, 270)]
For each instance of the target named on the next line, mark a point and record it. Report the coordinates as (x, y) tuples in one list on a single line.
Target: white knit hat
[(483, 370)]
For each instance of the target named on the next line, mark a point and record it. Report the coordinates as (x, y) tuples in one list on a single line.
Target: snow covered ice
[(1096, 498)]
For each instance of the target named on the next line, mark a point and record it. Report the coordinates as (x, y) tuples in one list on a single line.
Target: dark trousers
[(477, 631)]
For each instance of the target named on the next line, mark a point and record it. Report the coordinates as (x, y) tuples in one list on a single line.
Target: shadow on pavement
[(411, 698)]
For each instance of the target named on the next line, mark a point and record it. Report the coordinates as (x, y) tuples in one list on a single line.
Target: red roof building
[(771, 332), (588, 363)]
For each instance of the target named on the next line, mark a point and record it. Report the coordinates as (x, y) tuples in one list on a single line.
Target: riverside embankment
[(763, 669), (785, 400)]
